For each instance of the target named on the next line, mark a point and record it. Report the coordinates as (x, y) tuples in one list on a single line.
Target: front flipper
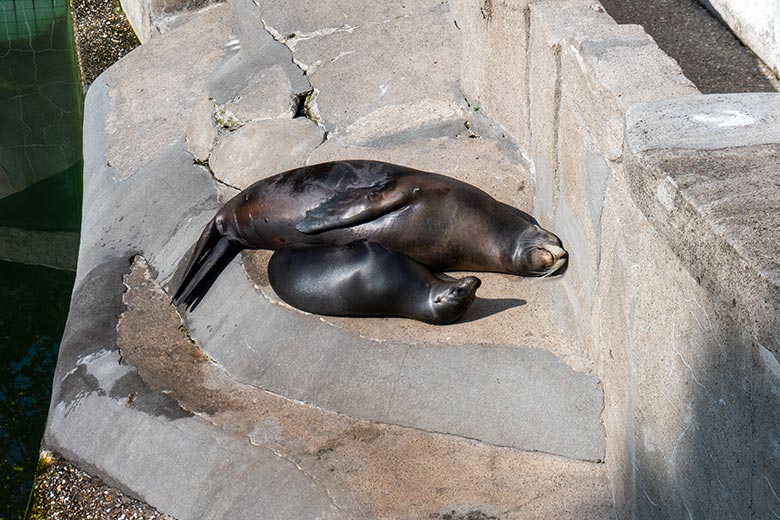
[(356, 206)]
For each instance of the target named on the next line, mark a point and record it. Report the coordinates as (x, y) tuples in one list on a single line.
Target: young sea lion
[(363, 278)]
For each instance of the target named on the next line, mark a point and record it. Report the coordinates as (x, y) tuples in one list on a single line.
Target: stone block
[(260, 149), (312, 18), (268, 96), (677, 377), (710, 122), (355, 76), (609, 334), (583, 173), (201, 131), (717, 208), (406, 123), (517, 396), (552, 24), (608, 70), (132, 444), (692, 398), (493, 64), (147, 116)]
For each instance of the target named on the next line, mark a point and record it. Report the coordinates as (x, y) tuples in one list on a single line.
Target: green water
[(40, 201)]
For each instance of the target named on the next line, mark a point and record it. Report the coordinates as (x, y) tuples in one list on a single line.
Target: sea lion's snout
[(466, 287), (459, 291), (549, 259), (453, 300)]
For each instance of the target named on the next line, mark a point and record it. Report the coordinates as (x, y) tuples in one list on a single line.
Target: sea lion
[(441, 222), (363, 278)]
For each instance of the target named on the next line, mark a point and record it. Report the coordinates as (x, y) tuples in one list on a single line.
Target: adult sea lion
[(363, 278), (441, 222)]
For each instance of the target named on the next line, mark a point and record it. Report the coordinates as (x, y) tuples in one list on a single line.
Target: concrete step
[(349, 468), (509, 390), (506, 374)]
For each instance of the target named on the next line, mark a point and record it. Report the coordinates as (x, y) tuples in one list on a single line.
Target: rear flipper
[(211, 255)]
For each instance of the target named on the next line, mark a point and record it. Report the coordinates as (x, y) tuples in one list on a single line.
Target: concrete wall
[(756, 23), (667, 200)]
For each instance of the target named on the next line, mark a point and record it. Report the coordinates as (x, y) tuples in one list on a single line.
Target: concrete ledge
[(667, 200), (705, 170)]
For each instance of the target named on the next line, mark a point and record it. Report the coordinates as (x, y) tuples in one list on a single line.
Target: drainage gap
[(300, 104)]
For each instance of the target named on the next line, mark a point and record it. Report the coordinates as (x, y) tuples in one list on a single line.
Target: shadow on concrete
[(484, 307), (708, 52), (723, 461)]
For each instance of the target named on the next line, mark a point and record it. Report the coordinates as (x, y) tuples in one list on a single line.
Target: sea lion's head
[(450, 300), (539, 253)]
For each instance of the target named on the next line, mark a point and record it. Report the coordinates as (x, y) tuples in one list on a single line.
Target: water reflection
[(40, 199)]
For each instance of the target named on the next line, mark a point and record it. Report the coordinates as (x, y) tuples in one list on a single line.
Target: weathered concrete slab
[(368, 470), (550, 30), (709, 122), (516, 396), (263, 148), (201, 130), (716, 206), (150, 113), (269, 96), (111, 407), (494, 65), (354, 74)]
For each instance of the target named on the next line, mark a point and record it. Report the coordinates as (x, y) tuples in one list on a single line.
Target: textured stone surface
[(263, 148), (511, 395), (551, 27), (368, 470), (494, 75), (149, 113), (348, 63), (201, 131), (704, 123), (269, 96), (717, 203)]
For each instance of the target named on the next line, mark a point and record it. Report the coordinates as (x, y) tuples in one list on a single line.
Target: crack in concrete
[(316, 481), (311, 109)]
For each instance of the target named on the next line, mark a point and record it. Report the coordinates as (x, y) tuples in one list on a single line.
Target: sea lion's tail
[(211, 255)]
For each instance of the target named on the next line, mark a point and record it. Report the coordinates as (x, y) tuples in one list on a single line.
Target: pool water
[(40, 205)]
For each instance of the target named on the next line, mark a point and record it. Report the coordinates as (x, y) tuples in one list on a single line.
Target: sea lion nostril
[(543, 258)]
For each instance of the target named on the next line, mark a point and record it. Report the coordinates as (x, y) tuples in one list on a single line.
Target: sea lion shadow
[(484, 307)]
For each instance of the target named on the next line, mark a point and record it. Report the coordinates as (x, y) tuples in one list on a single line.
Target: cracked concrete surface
[(368, 470), (250, 409)]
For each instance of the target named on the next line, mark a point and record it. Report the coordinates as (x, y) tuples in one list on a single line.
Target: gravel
[(62, 491), (103, 35)]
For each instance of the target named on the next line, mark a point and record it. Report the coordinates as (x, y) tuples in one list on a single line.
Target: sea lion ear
[(356, 206)]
